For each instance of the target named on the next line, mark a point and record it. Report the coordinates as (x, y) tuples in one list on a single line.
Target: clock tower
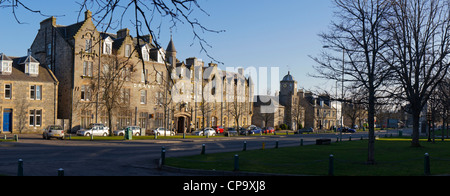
[(288, 86)]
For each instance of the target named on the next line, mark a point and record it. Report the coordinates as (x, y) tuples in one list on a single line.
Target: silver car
[(53, 131), (207, 131), (163, 132), (95, 130)]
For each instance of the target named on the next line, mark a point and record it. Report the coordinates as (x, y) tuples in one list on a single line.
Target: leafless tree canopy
[(358, 36), (419, 46), (147, 17)]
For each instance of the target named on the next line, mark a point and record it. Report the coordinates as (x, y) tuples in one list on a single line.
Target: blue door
[(7, 120)]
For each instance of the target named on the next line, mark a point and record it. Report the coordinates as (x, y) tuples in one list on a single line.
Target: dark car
[(231, 132), (243, 131), (347, 130)]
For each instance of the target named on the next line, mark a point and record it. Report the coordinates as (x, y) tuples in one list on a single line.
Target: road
[(126, 158)]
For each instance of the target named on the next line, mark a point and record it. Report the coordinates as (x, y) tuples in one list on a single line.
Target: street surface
[(129, 158)]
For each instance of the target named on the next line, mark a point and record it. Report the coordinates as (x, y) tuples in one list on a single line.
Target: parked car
[(135, 129), (269, 130), (53, 131), (163, 132), (254, 130), (231, 132), (206, 131), (219, 129), (95, 129), (346, 130), (305, 130), (243, 131)]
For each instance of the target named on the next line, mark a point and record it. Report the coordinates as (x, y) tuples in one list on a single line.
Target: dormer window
[(31, 66), (161, 55), (107, 46), (145, 53), (6, 67), (5, 64)]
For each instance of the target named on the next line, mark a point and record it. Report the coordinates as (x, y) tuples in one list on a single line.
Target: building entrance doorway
[(7, 120)]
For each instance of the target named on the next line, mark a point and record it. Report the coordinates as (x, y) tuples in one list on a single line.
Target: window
[(143, 120), (144, 75), (36, 92), (33, 68), (49, 49), (127, 50), (87, 68), (125, 95), (8, 91), (107, 49), (159, 77), (143, 97), (145, 55), (85, 93), (86, 118), (88, 47), (35, 118), (6, 67)]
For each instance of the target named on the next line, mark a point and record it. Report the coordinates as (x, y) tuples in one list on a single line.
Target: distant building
[(268, 112), (319, 113), (290, 98)]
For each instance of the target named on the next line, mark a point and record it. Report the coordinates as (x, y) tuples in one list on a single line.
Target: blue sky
[(259, 33)]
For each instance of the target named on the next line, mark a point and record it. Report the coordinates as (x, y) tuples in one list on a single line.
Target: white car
[(163, 132), (55, 131), (207, 131), (95, 130), (135, 129)]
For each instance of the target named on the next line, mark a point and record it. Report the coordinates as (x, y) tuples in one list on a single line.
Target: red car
[(218, 129), (268, 130)]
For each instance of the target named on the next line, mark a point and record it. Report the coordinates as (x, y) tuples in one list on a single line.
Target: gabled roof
[(3, 57), (27, 59), (69, 31)]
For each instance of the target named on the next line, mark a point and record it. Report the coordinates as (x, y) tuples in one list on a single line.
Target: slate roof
[(18, 73)]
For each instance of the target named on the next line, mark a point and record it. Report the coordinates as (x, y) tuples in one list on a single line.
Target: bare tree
[(359, 37), (110, 85), (418, 51), (443, 94)]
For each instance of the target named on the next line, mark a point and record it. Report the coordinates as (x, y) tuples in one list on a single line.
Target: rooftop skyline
[(263, 33)]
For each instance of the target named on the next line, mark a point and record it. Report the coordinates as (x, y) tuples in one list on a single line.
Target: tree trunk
[(415, 135), (371, 116), (110, 122)]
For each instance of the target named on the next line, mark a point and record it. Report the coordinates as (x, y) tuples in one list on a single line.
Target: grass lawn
[(394, 158)]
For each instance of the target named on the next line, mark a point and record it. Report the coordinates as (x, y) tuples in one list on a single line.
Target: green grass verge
[(393, 157)]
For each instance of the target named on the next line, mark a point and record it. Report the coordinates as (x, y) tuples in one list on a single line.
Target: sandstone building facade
[(88, 62), (28, 95)]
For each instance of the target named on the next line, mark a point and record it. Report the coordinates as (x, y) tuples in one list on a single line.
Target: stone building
[(81, 57), (28, 95), (146, 77), (268, 112), (290, 98), (207, 96), (319, 113)]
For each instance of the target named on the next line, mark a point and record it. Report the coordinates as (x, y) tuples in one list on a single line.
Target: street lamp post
[(342, 92)]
